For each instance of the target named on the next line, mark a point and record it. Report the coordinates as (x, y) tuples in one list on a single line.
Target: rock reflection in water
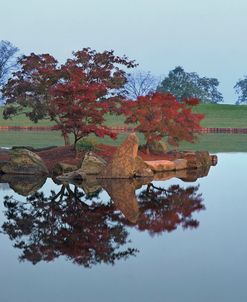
[(90, 232), (23, 184)]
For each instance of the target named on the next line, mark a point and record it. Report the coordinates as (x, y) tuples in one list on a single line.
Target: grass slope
[(219, 115)]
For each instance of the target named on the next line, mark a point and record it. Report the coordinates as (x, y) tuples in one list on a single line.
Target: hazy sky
[(208, 37)]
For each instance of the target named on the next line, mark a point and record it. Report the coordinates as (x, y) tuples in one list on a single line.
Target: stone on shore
[(123, 161), (196, 160), (92, 164), (23, 161), (161, 165), (180, 164)]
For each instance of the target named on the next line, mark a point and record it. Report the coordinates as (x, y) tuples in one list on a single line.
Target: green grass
[(215, 116), (210, 142), (35, 139), (219, 115)]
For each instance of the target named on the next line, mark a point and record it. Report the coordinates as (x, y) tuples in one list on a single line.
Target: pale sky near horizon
[(208, 37)]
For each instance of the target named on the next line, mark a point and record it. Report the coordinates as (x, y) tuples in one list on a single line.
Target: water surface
[(186, 242)]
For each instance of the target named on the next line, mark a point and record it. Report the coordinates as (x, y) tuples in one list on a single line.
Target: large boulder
[(192, 160), (204, 158), (196, 160), (23, 161), (122, 164), (92, 164)]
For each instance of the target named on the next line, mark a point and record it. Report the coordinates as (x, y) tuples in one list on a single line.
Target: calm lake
[(182, 241)]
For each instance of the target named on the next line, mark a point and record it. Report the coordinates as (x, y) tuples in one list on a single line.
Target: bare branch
[(140, 83)]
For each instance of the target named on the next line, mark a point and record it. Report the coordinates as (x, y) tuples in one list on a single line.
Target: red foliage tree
[(160, 115), (37, 89), (76, 104), (27, 92)]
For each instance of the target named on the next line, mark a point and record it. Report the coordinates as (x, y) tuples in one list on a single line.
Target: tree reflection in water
[(165, 209), (87, 233)]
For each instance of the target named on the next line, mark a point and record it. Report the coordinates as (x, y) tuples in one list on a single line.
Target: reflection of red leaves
[(62, 224), (164, 210)]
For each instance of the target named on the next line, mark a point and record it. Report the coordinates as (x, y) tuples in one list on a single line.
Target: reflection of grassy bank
[(210, 142), (219, 143)]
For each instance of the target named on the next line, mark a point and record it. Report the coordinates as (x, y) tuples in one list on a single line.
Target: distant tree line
[(178, 82)]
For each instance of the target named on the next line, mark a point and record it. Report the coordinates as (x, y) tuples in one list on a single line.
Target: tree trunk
[(147, 149), (147, 145), (66, 139)]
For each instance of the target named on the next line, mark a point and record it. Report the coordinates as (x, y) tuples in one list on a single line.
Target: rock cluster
[(125, 164)]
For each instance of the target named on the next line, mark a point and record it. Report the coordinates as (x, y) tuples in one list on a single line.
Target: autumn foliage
[(77, 94), (160, 115), (74, 95), (77, 106)]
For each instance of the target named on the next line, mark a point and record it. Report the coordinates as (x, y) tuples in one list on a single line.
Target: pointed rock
[(123, 161)]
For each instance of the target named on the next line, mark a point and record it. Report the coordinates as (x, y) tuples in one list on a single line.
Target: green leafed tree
[(241, 89), (184, 85)]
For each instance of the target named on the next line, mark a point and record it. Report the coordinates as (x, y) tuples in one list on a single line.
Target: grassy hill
[(219, 115)]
